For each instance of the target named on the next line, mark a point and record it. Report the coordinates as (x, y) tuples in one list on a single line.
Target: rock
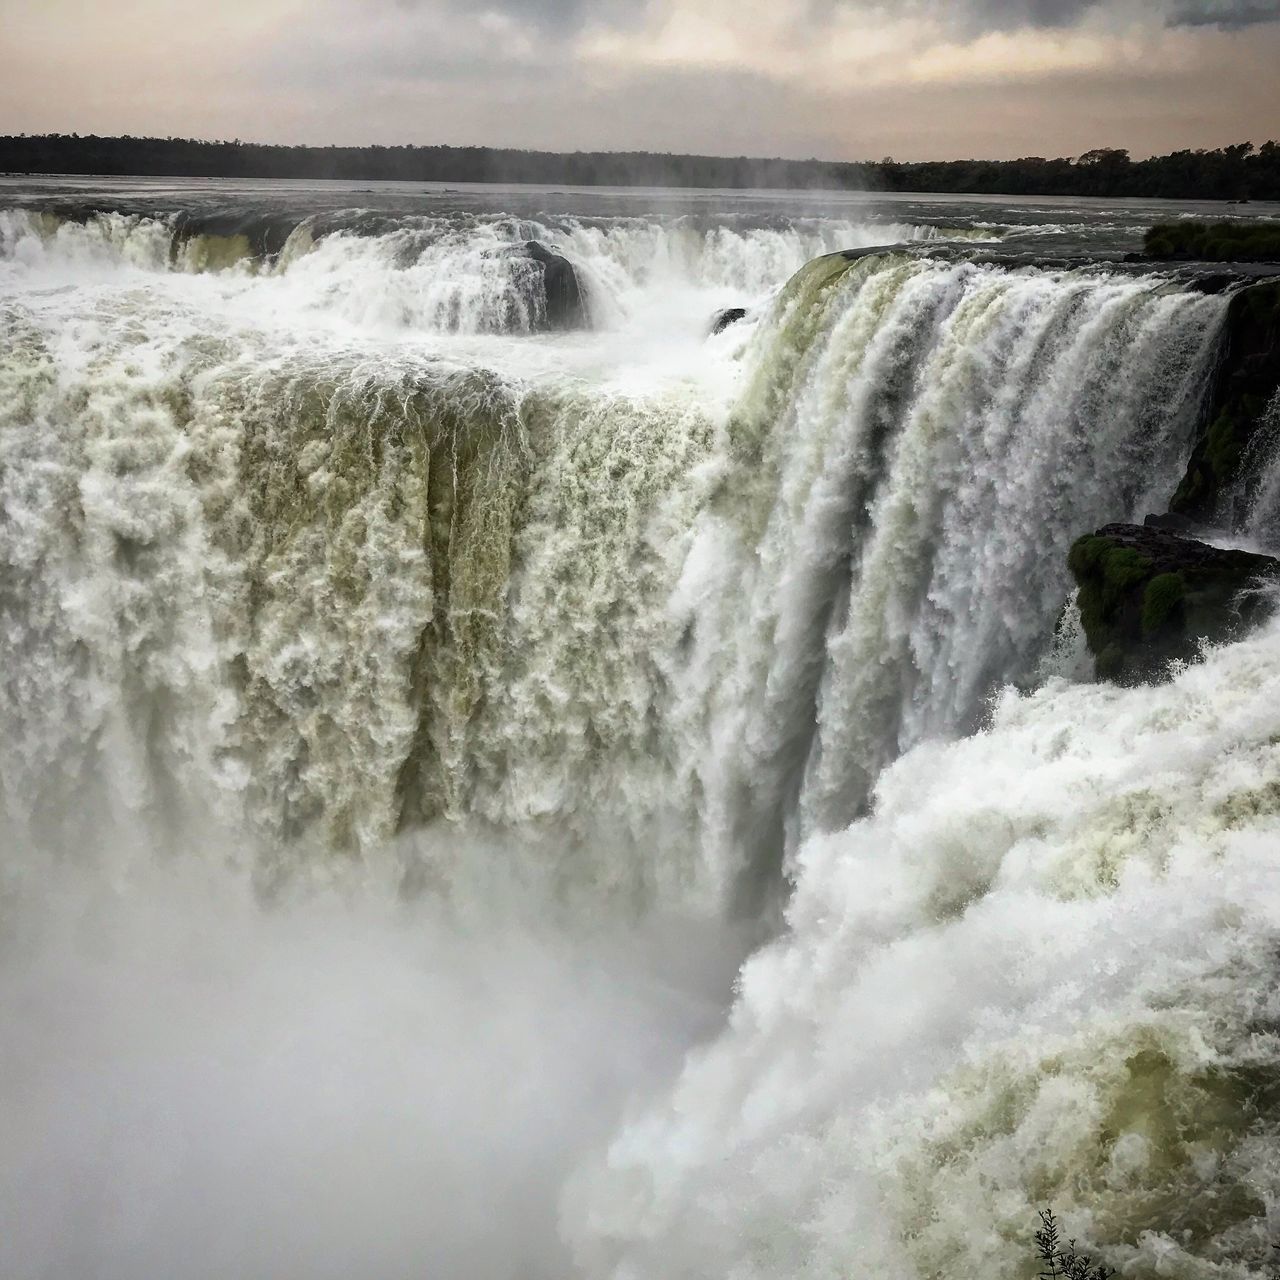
[(1247, 379), (1171, 522), (725, 317), (1148, 595), (1218, 282), (565, 305)]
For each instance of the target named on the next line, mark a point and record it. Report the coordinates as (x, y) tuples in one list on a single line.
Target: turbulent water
[(412, 719)]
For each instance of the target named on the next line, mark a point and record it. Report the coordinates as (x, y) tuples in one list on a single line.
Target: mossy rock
[(1161, 598), (1148, 596)]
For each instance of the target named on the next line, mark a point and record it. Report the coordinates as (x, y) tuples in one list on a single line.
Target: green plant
[(1064, 1263)]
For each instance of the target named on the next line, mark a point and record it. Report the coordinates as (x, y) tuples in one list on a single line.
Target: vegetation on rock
[(1148, 596), (1214, 241)]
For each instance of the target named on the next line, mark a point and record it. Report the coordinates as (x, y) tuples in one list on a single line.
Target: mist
[(197, 1084)]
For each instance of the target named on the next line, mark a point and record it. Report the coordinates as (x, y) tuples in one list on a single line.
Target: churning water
[(412, 720)]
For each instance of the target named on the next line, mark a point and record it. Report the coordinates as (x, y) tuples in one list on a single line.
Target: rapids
[(412, 721)]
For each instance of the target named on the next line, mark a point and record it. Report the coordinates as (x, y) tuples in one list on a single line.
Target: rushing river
[(488, 799)]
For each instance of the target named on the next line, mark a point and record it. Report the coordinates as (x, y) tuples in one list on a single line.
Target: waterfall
[(1255, 501), (917, 450), (344, 595), (411, 721)]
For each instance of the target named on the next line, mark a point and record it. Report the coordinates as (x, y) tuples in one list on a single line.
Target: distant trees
[(182, 157), (1238, 172)]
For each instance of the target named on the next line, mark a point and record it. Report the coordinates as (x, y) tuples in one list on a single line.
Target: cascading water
[(1042, 973), (518, 677), (458, 273), (918, 447), (1256, 500)]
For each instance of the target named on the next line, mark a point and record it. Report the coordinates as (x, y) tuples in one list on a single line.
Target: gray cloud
[(1011, 15), (1230, 14), (561, 17), (356, 71), (979, 17), (555, 17)]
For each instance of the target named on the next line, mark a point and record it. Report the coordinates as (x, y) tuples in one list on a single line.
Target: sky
[(839, 79)]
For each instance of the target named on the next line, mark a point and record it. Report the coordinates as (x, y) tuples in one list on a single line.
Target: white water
[(1257, 500), (1043, 973), (457, 274), (509, 669)]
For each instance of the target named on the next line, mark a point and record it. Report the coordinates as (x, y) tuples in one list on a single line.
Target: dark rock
[(1217, 282), (1248, 377), (1171, 522), (1148, 596), (565, 305), (725, 317)]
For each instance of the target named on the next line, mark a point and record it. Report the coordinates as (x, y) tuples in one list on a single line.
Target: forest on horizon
[(1238, 172)]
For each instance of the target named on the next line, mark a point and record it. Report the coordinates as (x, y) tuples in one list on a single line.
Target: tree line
[(1238, 172)]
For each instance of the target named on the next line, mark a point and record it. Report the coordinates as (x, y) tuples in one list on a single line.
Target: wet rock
[(1148, 595), (725, 317), (1171, 522), (565, 304)]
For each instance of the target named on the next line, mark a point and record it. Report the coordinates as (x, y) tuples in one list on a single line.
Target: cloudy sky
[(844, 79)]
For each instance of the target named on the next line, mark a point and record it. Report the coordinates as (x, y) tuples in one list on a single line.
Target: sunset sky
[(841, 79)]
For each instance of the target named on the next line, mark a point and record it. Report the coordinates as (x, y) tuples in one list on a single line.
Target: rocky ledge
[(1148, 595)]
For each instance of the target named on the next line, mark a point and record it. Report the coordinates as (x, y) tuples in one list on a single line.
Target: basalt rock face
[(1148, 595), (1248, 379), (566, 306)]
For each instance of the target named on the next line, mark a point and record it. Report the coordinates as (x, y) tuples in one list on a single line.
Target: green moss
[(1085, 554), (1089, 602), (1123, 567), (1106, 574), (1163, 595)]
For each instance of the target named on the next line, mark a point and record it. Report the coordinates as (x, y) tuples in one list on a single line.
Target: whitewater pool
[(481, 799)]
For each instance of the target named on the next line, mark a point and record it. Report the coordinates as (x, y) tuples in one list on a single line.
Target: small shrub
[(1064, 1262)]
